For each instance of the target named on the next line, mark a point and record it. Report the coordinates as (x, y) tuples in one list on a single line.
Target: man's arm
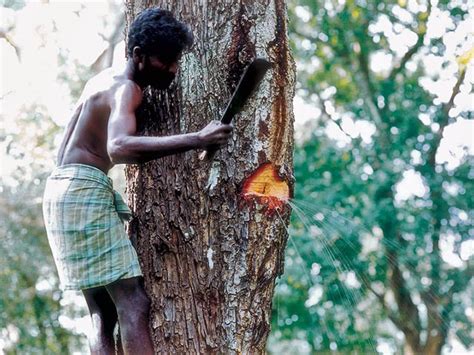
[(125, 147)]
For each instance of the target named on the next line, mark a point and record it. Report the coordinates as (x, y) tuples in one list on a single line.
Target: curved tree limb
[(445, 117), (413, 50), (4, 34), (329, 116), (104, 60)]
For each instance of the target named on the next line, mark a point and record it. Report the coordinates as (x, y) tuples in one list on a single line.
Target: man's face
[(159, 75)]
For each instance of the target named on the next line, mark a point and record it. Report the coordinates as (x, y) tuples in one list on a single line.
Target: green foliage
[(29, 314), (363, 266), (350, 235), (35, 316), (30, 300)]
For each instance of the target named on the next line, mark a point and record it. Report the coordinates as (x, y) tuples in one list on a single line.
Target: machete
[(249, 81)]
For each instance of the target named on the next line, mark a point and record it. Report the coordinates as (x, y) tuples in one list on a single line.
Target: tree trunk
[(211, 237)]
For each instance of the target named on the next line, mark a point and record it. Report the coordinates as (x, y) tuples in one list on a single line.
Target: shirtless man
[(81, 210)]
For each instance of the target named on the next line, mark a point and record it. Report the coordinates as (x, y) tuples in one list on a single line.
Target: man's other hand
[(215, 134)]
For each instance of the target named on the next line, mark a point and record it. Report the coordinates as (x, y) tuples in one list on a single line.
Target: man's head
[(156, 41)]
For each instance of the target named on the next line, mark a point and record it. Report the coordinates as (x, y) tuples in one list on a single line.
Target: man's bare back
[(85, 140)]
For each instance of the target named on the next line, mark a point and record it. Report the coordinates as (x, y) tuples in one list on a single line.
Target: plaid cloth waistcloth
[(84, 219)]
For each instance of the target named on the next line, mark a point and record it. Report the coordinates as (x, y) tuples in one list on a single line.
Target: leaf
[(465, 58)]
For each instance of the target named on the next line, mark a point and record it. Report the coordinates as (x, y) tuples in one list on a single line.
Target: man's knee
[(130, 299), (137, 310)]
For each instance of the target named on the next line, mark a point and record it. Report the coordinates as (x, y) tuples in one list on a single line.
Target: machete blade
[(248, 83)]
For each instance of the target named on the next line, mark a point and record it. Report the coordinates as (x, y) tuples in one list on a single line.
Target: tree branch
[(445, 118), (104, 60), (432, 298), (395, 19), (4, 34), (327, 115), (409, 316), (367, 87), (362, 66), (381, 298), (411, 52)]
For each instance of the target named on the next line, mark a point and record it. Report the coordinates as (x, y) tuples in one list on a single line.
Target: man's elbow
[(119, 151)]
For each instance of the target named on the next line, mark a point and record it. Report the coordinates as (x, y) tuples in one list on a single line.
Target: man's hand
[(215, 134)]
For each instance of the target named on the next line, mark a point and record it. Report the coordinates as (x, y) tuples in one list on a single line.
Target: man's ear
[(138, 56)]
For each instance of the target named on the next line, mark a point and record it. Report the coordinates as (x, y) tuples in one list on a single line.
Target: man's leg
[(104, 319), (133, 308)]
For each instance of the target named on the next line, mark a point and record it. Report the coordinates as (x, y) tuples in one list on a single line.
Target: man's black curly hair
[(157, 32)]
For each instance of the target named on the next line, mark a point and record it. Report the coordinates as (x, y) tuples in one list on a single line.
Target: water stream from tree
[(320, 234)]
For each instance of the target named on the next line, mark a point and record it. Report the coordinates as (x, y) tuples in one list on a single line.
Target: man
[(82, 211)]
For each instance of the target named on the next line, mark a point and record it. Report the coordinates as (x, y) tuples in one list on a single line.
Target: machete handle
[(209, 154), (202, 155)]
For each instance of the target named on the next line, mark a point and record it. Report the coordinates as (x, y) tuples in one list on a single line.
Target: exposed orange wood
[(267, 187)]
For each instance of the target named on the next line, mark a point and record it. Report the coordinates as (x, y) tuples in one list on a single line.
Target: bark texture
[(210, 255)]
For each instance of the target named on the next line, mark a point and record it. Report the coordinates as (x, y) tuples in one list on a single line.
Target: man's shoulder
[(128, 86), (110, 82), (126, 90), (111, 79)]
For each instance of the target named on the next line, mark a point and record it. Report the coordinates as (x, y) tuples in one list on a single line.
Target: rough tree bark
[(211, 239)]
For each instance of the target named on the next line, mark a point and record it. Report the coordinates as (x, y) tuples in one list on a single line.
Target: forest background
[(381, 247)]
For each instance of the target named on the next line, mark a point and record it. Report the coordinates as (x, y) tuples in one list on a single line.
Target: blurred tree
[(35, 316), (373, 255), (30, 301)]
